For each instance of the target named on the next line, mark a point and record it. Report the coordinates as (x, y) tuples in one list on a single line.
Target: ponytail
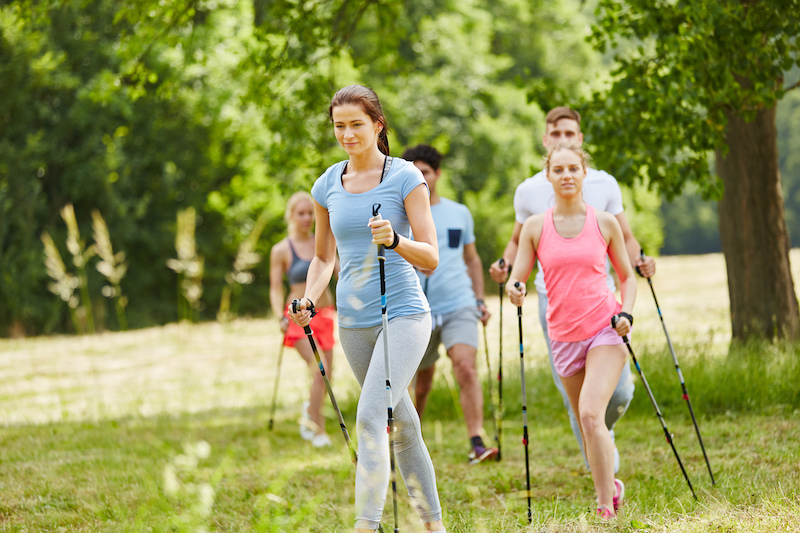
[(383, 139)]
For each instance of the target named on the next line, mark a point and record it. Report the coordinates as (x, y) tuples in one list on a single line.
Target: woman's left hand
[(382, 232), (303, 315)]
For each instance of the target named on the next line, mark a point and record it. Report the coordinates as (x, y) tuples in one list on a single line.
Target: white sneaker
[(306, 425), (321, 440)]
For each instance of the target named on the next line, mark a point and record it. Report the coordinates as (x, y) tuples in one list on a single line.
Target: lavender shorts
[(570, 357)]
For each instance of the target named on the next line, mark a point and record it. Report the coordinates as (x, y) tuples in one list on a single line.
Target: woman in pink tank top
[(571, 240)]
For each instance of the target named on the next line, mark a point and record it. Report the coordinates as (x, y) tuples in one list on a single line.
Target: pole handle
[(376, 214), (614, 320)]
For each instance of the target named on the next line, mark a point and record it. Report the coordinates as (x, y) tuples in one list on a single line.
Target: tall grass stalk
[(188, 265), (64, 283), (80, 257), (112, 266), (246, 259)]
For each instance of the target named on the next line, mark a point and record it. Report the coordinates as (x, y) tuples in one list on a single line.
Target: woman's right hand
[(497, 272), (516, 294), (303, 315)]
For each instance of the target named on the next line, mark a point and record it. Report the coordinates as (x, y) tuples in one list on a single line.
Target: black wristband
[(626, 315), (395, 242), (480, 303)]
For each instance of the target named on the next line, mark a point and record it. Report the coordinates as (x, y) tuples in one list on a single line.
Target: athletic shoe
[(603, 513), (618, 499), (306, 424), (321, 441), (480, 454)]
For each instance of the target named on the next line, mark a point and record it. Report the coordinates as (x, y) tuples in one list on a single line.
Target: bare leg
[(589, 392), (422, 389), (471, 393)]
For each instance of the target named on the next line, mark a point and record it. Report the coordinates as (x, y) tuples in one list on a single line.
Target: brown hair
[(368, 100), (569, 146), (557, 113)]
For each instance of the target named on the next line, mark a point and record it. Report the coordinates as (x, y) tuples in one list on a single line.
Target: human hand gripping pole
[(680, 374), (518, 286), (667, 434), (385, 323), (309, 334)]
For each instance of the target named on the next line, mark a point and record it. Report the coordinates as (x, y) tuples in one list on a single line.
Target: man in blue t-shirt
[(455, 295)]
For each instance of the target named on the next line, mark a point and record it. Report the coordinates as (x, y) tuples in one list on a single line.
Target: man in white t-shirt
[(600, 190), (455, 294)]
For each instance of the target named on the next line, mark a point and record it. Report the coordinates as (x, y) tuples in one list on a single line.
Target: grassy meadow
[(166, 429)]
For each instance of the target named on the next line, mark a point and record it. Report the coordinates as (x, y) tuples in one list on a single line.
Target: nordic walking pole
[(499, 414), (667, 434), (518, 286), (489, 380), (385, 320), (309, 334), (275, 388), (680, 376)]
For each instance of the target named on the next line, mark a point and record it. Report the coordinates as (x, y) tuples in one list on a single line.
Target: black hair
[(425, 153)]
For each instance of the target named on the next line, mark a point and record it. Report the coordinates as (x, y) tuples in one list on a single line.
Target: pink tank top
[(579, 303)]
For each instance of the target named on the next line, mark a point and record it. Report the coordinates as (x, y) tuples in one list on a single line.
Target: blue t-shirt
[(450, 287), (358, 291)]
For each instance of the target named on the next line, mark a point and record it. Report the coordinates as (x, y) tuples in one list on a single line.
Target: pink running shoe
[(603, 513), (618, 499)]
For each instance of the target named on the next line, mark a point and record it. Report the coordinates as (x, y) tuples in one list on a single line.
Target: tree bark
[(753, 232)]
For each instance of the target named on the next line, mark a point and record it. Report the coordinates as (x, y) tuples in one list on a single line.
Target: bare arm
[(525, 259), (475, 273), (321, 268), (619, 252), (632, 248), (277, 268), (423, 251)]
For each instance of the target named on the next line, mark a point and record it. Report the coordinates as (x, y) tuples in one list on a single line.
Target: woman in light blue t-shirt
[(344, 196)]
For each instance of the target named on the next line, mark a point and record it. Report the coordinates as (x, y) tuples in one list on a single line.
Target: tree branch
[(793, 86)]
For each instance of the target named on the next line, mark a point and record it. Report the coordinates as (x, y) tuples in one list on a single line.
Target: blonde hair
[(569, 146), (291, 204)]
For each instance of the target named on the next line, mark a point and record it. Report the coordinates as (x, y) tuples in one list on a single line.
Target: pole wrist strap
[(626, 315), (395, 242)]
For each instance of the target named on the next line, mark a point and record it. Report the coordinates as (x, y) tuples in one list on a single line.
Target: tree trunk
[(753, 232)]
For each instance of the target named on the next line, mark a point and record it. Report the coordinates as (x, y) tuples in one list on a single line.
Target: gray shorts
[(456, 327)]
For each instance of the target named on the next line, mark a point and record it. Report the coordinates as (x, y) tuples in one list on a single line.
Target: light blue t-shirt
[(358, 291), (450, 287)]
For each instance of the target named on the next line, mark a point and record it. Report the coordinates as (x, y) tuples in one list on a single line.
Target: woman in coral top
[(571, 240)]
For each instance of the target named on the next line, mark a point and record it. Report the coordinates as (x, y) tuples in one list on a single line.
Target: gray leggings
[(408, 338)]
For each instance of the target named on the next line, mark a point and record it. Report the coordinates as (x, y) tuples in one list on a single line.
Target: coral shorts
[(570, 357), (322, 325)]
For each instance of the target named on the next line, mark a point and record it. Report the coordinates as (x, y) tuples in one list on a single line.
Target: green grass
[(99, 433)]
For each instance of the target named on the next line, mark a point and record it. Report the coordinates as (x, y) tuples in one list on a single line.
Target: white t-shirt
[(535, 195)]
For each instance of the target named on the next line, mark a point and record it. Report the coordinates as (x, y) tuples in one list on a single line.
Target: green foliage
[(143, 108), (681, 66)]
